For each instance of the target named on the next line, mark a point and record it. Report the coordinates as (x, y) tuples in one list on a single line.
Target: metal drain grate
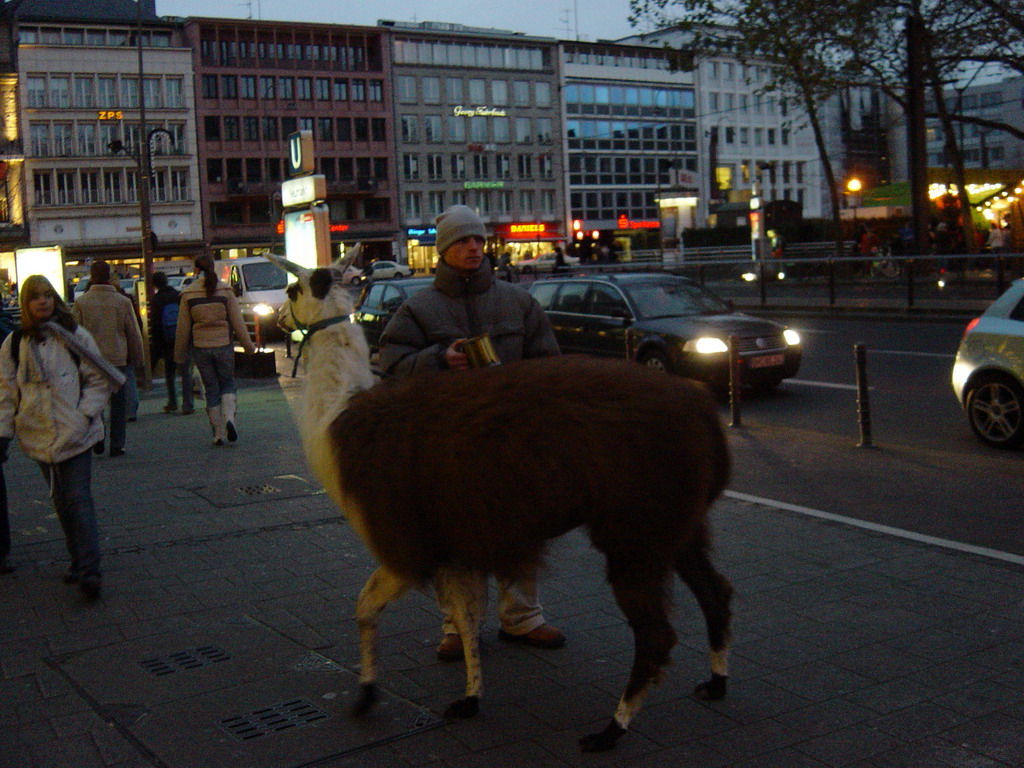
[(259, 490), (193, 658), (268, 721)]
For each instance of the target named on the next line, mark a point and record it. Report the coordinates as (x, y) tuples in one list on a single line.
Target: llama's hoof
[(365, 702), (463, 708), (603, 741), (711, 690)]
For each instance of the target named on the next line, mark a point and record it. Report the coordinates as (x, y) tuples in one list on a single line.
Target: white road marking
[(825, 384), (911, 354), (922, 538)]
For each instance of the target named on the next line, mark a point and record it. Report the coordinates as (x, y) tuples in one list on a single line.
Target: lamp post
[(853, 188)]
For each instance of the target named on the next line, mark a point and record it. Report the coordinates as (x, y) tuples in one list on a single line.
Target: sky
[(597, 19)]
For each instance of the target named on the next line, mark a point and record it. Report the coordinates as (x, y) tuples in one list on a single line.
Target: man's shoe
[(98, 448), (115, 452), (450, 648), (187, 411), (544, 636), (170, 408)]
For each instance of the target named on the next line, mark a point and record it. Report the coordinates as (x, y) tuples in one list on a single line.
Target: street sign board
[(300, 153)]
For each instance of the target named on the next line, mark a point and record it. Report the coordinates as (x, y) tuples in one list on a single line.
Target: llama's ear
[(320, 282), (287, 266), (349, 257)]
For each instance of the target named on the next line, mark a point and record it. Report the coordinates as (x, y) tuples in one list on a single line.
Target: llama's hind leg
[(381, 588), (641, 596), (714, 593), (464, 595)]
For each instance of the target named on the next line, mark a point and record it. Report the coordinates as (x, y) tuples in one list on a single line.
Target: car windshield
[(264, 276), (672, 299)]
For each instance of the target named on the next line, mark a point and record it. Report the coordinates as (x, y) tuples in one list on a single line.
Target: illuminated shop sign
[(529, 230), (627, 223), (483, 185), (418, 233), (333, 228), (461, 111)]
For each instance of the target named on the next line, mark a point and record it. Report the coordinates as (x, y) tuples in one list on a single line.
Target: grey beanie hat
[(458, 222)]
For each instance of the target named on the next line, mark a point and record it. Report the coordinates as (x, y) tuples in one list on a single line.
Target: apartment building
[(479, 123), (80, 91), (257, 82)]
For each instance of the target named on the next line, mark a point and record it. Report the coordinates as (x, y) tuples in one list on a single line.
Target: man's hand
[(455, 358)]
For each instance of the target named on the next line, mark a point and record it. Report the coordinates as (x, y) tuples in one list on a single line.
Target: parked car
[(543, 263), (666, 322), (384, 270), (379, 301), (178, 282), (260, 286), (988, 374)]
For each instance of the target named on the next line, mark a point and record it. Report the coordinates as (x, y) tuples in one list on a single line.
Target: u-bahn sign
[(300, 153)]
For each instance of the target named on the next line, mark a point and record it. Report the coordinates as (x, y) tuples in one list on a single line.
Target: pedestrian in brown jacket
[(208, 317)]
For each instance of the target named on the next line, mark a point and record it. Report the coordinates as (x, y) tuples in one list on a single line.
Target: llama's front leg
[(464, 596), (381, 588)]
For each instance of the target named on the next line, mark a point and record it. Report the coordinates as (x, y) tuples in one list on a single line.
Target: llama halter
[(308, 330)]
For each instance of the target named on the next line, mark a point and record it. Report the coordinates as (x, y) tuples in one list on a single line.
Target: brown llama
[(430, 472)]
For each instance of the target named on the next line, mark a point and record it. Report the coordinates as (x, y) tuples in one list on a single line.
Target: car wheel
[(656, 359), (995, 410)]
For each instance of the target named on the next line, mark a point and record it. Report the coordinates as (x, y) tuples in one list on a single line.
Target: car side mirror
[(236, 289)]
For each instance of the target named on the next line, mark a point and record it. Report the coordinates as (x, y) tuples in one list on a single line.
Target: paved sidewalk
[(225, 637)]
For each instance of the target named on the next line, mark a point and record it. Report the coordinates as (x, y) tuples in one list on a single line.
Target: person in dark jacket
[(163, 325), (427, 334)]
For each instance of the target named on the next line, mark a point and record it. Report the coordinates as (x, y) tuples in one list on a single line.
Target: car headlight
[(262, 310), (706, 345), (791, 336)]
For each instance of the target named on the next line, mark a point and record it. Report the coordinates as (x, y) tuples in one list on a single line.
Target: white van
[(259, 285)]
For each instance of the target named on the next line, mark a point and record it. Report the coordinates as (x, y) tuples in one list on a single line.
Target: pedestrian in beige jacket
[(110, 317), (208, 317)]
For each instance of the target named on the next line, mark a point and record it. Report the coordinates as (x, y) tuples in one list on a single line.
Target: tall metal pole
[(145, 171), (917, 151)]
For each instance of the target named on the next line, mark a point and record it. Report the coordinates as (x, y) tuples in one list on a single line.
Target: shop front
[(522, 240), (419, 242)]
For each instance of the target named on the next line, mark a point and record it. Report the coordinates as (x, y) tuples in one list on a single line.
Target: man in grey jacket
[(427, 334)]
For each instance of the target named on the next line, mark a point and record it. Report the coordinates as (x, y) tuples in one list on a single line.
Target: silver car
[(988, 375)]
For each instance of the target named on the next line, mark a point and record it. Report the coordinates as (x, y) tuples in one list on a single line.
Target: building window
[(287, 86), (211, 128), (376, 90), (323, 89), (503, 168), (60, 91), (501, 130), (435, 203), (453, 90), (525, 167), (431, 90), (481, 168), (407, 89), (457, 130), (361, 128), (542, 92), (85, 92), (499, 92), (458, 167), (478, 129), (409, 126), (412, 205), (267, 88), (305, 89), (344, 129), (477, 92), (210, 89), (378, 129), (340, 89), (248, 87), (251, 128), (229, 86), (432, 128), (358, 90), (270, 129), (231, 132), (410, 167), (435, 167), (521, 93), (325, 128)]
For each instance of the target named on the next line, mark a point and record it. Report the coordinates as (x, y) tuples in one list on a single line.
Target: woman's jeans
[(71, 493), (217, 369)]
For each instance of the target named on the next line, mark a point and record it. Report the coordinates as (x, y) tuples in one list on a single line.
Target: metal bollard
[(735, 376), (863, 403)]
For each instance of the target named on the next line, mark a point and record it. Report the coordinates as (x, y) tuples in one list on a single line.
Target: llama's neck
[(337, 366)]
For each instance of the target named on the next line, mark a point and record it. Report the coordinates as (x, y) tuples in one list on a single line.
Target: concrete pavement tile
[(825, 717), (780, 758), (779, 652), (931, 752), (996, 736), (880, 661), (683, 755), (848, 745), (918, 721), (747, 741), (891, 695), (680, 721), (818, 680), (982, 697), (431, 747)]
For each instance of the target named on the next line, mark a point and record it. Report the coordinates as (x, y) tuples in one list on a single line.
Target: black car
[(378, 301), (666, 322)]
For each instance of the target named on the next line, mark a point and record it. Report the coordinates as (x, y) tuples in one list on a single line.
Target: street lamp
[(853, 187)]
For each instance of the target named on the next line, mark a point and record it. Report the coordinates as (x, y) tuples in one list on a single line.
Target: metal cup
[(480, 351)]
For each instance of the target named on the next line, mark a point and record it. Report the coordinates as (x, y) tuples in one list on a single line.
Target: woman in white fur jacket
[(53, 390)]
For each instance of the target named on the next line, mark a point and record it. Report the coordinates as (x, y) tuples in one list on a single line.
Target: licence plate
[(767, 361)]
